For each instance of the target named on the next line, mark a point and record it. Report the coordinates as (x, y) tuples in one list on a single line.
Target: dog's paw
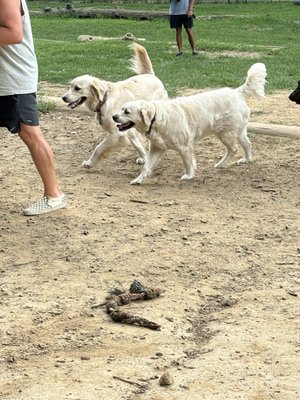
[(136, 181), (87, 164), (186, 177), (243, 161), (140, 160)]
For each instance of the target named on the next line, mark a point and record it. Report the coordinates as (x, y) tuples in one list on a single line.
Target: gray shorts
[(18, 108)]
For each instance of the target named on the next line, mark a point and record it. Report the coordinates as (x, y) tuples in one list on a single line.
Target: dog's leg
[(152, 159), (111, 143), (134, 140), (189, 162), (246, 145), (229, 140)]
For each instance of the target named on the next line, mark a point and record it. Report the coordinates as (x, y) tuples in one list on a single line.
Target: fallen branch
[(274, 130), (130, 382), (139, 201), (112, 13), (89, 38)]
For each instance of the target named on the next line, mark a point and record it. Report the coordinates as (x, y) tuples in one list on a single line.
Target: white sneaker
[(46, 205)]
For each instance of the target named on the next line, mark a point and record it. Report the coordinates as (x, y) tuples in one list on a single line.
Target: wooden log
[(117, 13), (128, 37), (274, 130), (112, 13)]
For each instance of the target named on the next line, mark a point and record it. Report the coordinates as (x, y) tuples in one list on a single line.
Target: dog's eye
[(126, 111), (77, 88)]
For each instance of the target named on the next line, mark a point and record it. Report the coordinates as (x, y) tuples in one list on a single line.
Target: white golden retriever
[(106, 98), (181, 122)]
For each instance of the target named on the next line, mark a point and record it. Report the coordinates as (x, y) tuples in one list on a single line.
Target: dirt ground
[(224, 247)]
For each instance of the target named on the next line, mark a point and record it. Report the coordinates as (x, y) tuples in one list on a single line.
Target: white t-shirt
[(18, 64), (179, 7)]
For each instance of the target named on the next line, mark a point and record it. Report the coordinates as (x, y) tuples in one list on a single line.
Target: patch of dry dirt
[(224, 246)]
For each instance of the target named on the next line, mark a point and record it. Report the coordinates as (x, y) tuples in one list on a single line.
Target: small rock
[(227, 303), (166, 379)]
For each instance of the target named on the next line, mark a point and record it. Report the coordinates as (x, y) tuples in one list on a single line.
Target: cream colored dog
[(181, 122), (106, 98)]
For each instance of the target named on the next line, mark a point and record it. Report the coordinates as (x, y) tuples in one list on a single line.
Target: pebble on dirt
[(166, 379)]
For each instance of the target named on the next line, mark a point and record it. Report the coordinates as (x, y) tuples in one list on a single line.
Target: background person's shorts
[(176, 21), (18, 108)]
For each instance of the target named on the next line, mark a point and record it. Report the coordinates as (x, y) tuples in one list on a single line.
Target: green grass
[(259, 32), (45, 105)]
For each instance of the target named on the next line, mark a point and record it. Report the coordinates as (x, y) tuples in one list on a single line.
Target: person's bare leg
[(191, 38), (179, 39), (43, 158)]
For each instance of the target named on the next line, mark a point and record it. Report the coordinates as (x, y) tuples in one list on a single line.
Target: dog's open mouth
[(125, 126), (77, 102)]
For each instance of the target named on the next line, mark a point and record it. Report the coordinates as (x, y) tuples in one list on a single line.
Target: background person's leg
[(191, 38), (179, 40)]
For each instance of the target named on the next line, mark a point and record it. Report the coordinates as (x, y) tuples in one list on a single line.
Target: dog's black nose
[(115, 117), (65, 99)]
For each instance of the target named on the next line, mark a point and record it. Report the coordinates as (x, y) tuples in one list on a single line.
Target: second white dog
[(181, 122)]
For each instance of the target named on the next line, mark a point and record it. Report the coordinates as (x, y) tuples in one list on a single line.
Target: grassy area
[(229, 44)]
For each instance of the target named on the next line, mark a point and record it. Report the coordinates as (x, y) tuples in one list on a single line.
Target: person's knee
[(30, 134)]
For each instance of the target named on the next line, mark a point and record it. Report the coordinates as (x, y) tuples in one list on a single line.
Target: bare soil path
[(225, 248)]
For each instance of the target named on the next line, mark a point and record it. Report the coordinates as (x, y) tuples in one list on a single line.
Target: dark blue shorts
[(176, 21), (18, 108)]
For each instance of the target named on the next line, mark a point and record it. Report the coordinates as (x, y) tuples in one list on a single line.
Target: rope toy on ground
[(136, 292)]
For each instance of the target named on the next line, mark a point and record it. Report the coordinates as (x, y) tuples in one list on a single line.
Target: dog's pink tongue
[(72, 105)]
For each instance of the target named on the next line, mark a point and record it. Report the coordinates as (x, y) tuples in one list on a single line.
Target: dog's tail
[(141, 63), (255, 82)]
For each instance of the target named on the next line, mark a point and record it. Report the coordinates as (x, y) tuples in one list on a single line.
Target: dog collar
[(101, 102), (151, 125)]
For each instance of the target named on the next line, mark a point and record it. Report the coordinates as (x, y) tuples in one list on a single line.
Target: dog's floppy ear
[(99, 92), (96, 89), (147, 112)]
